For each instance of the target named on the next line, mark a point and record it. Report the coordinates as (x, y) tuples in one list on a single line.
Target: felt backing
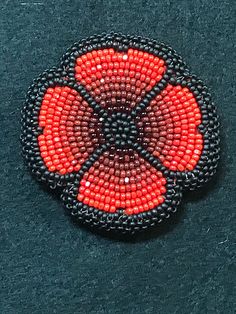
[(50, 265)]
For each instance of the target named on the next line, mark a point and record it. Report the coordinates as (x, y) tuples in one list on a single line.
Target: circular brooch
[(121, 128)]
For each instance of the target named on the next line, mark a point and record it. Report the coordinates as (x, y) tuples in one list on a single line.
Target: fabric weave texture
[(50, 265)]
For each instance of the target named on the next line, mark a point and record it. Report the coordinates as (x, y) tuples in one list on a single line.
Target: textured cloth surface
[(50, 265)]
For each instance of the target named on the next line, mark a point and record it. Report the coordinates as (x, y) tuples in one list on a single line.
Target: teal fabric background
[(50, 265)]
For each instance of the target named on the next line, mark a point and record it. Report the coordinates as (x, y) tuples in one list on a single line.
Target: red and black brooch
[(122, 127)]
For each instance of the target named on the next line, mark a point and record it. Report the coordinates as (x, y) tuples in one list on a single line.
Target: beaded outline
[(177, 74)]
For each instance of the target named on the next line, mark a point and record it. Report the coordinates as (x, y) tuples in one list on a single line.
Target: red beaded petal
[(169, 128), (119, 80), (71, 130), (122, 180)]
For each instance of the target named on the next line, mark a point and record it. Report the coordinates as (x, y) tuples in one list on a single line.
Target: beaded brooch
[(122, 129)]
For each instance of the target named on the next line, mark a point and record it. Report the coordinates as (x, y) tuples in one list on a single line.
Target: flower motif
[(123, 128)]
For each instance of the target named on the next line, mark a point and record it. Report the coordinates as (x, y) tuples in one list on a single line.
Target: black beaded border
[(176, 74)]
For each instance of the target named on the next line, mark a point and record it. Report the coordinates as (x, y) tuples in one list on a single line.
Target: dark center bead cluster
[(120, 130)]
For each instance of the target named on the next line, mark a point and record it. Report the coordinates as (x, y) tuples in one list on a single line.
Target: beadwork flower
[(123, 128)]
